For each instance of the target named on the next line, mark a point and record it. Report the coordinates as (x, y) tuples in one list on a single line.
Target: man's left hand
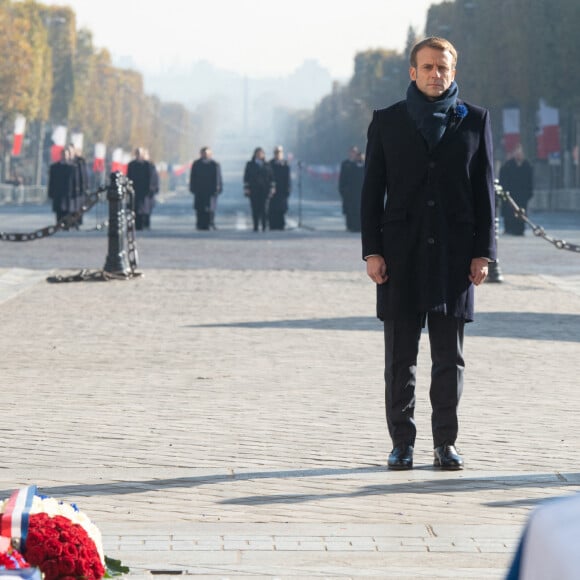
[(478, 270)]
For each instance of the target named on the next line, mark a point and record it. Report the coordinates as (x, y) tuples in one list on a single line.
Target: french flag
[(59, 141), (511, 129), (548, 135), (117, 158), (99, 161), (19, 127)]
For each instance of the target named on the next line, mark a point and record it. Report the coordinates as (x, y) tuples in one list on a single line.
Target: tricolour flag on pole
[(548, 135), (117, 159), (125, 162), (59, 142), (100, 154), (511, 129), (19, 127), (77, 140)]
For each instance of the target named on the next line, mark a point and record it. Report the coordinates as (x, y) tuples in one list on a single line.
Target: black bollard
[(494, 272), (117, 261)]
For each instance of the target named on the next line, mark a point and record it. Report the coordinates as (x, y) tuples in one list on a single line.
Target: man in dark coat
[(145, 184), (427, 235), (258, 186), (516, 177), (61, 185), (278, 205), (81, 181), (349, 187), (205, 183)]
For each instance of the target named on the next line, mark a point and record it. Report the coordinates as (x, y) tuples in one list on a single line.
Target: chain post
[(117, 259), (495, 274)]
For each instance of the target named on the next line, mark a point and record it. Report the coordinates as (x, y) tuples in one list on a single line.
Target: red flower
[(50, 569), (67, 566), (62, 549), (12, 560)]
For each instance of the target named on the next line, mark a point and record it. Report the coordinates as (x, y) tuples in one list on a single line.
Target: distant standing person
[(81, 181), (278, 205), (61, 185), (516, 176), (145, 180), (349, 187), (205, 183), (258, 186)]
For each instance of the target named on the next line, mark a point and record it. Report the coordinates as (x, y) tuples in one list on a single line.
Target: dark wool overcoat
[(281, 176), (145, 180), (204, 181), (259, 179), (428, 212), (61, 186)]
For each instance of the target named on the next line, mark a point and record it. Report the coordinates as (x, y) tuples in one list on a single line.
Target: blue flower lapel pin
[(460, 111)]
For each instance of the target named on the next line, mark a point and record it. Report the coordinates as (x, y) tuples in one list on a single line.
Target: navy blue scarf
[(431, 116)]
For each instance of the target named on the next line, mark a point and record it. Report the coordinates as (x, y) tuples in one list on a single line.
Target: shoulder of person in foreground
[(472, 111), (393, 109)]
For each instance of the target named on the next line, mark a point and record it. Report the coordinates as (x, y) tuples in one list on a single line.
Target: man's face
[(434, 73), (353, 154), (206, 154)]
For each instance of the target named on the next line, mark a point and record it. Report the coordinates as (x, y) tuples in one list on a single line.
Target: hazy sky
[(254, 37)]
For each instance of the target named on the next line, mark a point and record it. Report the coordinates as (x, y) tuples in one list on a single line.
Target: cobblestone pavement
[(222, 416)]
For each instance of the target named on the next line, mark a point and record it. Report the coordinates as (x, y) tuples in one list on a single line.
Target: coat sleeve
[(192, 178), (289, 188), (52, 194), (341, 179), (247, 176), (153, 179), (484, 196), (219, 182), (373, 191)]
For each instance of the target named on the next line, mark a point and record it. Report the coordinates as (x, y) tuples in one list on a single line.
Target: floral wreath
[(41, 533)]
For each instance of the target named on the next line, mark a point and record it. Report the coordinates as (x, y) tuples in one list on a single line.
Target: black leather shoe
[(446, 457), (401, 457)]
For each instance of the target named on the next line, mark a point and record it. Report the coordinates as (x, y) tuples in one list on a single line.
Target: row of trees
[(52, 74), (512, 53), (341, 118)]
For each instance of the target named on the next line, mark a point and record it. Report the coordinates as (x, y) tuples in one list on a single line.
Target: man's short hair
[(432, 42)]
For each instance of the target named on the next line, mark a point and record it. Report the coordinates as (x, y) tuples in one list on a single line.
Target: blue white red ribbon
[(14, 520)]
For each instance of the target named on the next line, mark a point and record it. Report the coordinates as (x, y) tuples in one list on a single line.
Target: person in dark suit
[(62, 185), (517, 177), (427, 234), (259, 186), (81, 180), (278, 205), (145, 180), (205, 183), (349, 187)]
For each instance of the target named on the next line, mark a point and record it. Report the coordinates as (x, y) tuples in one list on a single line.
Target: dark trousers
[(401, 349), (258, 210), (142, 221), (276, 219), (512, 224), (203, 219)]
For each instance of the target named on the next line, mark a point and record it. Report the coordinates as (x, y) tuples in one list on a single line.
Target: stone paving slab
[(229, 423)]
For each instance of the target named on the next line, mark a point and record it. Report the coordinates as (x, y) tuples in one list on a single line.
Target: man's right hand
[(377, 269)]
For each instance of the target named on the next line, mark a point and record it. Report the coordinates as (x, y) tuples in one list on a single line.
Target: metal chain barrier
[(120, 264), (537, 230), (69, 221)]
